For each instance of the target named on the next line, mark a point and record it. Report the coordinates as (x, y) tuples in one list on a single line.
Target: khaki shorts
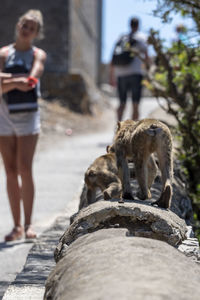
[(18, 124)]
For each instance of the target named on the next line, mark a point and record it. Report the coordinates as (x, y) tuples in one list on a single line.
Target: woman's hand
[(19, 83), (22, 84)]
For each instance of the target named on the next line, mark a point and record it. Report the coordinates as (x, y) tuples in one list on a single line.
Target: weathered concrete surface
[(140, 219), (110, 264), (190, 246)]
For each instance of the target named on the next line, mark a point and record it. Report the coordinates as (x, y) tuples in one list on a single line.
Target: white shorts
[(18, 124)]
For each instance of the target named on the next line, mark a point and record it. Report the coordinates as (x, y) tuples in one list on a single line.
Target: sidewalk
[(59, 174)]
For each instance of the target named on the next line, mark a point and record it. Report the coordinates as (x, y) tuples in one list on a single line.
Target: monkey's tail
[(167, 194), (165, 199), (153, 130), (168, 183)]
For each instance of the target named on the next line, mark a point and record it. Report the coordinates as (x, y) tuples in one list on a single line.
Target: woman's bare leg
[(26, 146), (8, 148)]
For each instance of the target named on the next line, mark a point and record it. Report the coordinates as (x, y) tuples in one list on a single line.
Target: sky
[(116, 15)]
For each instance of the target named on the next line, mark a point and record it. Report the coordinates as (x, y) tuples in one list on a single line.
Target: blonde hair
[(35, 15)]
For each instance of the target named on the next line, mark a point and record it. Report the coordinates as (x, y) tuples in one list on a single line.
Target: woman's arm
[(10, 82), (5, 75), (38, 64), (19, 83)]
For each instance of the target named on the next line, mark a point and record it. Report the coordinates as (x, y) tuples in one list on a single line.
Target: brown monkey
[(137, 140), (103, 174)]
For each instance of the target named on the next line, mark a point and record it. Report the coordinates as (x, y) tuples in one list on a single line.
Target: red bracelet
[(32, 81)]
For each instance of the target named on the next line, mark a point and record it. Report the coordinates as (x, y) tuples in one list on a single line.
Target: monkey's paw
[(127, 196), (143, 196), (121, 200)]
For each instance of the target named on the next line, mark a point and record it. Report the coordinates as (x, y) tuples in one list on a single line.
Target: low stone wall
[(108, 264), (139, 219), (128, 250)]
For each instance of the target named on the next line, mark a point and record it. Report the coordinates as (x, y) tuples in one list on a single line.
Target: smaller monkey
[(103, 174), (138, 140)]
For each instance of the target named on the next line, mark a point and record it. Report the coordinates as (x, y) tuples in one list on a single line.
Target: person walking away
[(127, 72), (20, 118)]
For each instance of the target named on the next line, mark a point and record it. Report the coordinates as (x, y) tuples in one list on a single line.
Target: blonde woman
[(20, 118)]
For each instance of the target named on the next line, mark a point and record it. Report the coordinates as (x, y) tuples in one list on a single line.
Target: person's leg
[(8, 152), (122, 93), (136, 94), (8, 148), (120, 111), (135, 113), (26, 148)]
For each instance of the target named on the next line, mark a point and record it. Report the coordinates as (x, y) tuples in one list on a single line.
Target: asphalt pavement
[(58, 173)]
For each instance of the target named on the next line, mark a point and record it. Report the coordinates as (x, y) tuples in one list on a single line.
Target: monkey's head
[(121, 124), (110, 149)]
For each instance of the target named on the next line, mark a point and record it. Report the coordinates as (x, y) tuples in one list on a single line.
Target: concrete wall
[(85, 20)]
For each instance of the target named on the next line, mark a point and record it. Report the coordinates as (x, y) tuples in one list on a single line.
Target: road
[(58, 171)]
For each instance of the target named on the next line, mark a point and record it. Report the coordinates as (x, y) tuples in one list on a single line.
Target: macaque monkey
[(137, 141), (103, 174)]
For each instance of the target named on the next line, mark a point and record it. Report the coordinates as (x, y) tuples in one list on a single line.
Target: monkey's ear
[(118, 125), (108, 149), (92, 173)]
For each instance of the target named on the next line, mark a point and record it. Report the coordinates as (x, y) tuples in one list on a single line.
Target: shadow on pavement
[(4, 245)]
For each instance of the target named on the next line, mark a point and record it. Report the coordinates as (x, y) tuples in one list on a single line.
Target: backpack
[(123, 52)]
